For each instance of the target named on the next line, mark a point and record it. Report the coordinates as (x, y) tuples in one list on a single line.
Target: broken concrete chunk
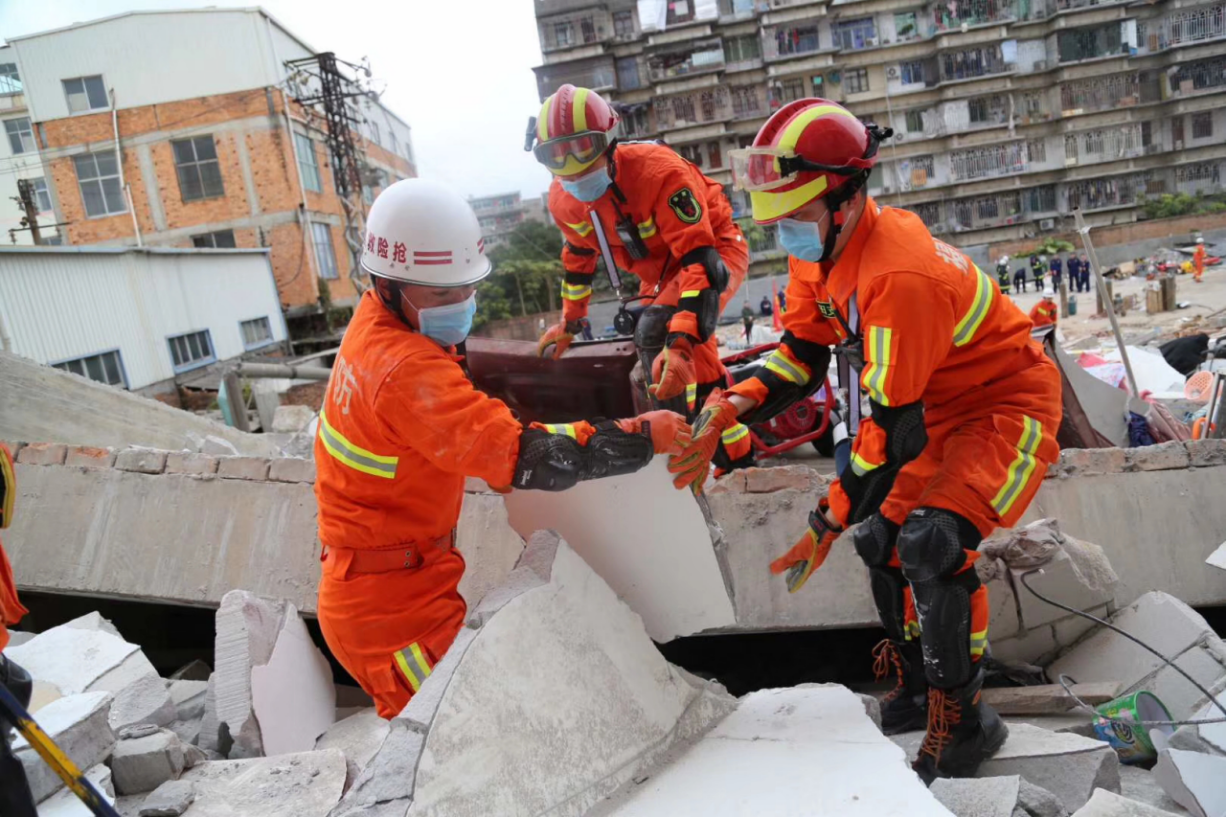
[(1047, 698), (142, 764), (78, 725), (82, 660), (302, 785), (985, 797), (291, 419), (1106, 804), (1069, 766), (1193, 780), (194, 671), (491, 547), (1035, 801), (293, 696), (94, 621), (247, 630), (358, 737), (217, 447), (211, 737), (188, 697), (421, 709), (391, 774), (65, 802), (144, 701), (872, 708), (1140, 785), (169, 799)]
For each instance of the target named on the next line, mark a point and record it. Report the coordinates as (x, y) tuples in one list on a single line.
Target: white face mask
[(449, 324)]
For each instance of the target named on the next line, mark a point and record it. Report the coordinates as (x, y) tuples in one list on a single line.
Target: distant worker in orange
[(1045, 312), (1198, 260), (965, 408), (15, 795), (400, 429), (659, 218)]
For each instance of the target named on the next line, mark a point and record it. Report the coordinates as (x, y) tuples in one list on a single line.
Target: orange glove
[(694, 462), (673, 370), (670, 433), (560, 336), (808, 554)]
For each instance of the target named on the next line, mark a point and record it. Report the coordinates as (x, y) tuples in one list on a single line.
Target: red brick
[(251, 468), (141, 460), (87, 457), (191, 464), (292, 469), (42, 454)]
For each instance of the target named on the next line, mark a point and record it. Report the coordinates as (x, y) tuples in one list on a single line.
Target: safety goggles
[(584, 148), (757, 169)]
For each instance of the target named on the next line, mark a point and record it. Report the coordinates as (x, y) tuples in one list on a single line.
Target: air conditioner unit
[(1178, 144), (900, 137), (887, 189), (871, 42), (892, 72), (1047, 224)]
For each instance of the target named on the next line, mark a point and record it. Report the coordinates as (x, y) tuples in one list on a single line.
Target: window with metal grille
[(915, 121), (691, 153), (191, 350), (740, 49), (256, 332), (105, 368), (1036, 149), (199, 171), (912, 72), (42, 196), (85, 93), (628, 73), (929, 213), (855, 34), (21, 138), (308, 166), (792, 90), (220, 240), (1202, 125), (98, 177), (745, 100), (623, 23), (324, 254), (855, 80), (563, 34), (10, 80)]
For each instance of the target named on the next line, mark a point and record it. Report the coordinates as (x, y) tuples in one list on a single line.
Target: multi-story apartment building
[(181, 128), (501, 213), (1008, 114)]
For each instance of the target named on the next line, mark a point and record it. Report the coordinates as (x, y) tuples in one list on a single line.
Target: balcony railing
[(1116, 191), (1190, 26), (748, 102), (574, 31), (701, 58), (1199, 178), (1105, 93), (949, 16), (766, 245), (1199, 76), (1106, 144), (1090, 43), (782, 42), (983, 212), (690, 110), (987, 162), (972, 63)]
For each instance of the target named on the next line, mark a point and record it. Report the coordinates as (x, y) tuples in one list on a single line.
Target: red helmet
[(807, 149), (573, 130)]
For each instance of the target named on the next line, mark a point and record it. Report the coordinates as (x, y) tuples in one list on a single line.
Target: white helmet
[(1049, 293), (423, 232), (1200, 241)]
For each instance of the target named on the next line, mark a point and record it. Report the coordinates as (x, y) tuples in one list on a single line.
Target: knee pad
[(932, 544), (888, 585), (944, 611), (874, 539), (652, 329)]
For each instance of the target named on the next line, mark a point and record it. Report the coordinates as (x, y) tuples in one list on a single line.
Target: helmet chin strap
[(832, 235)]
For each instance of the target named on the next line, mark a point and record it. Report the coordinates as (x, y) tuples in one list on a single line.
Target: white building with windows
[(137, 318), (19, 157)]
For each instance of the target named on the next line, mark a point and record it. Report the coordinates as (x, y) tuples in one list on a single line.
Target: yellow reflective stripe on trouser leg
[(354, 456), (575, 292), (567, 429), (1022, 467), (912, 630), (734, 434), (879, 361), (979, 642), (414, 664)]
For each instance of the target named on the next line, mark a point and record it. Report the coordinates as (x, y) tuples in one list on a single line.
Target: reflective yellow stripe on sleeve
[(787, 367), (575, 292), (691, 293), (861, 466), (356, 457), (964, 331), (691, 394), (582, 228), (567, 429), (1022, 467), (880, 358), (734, 433), (413, 663), (647, 228)]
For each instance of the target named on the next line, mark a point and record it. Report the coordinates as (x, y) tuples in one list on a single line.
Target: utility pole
[(25, 197)]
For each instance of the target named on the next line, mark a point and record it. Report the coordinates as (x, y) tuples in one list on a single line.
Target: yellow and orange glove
[(811, 551), (673, 370), (693, 463), (670, 433), (560, 336)]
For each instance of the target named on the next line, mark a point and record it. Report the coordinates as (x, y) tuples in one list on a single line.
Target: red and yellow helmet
[(574, 129), (806, 150)]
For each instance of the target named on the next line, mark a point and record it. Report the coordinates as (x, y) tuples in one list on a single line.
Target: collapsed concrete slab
[(489, 544), (1194, 781), (751, 762), (1106, 804), (1010, 796), (145, 701), (1069, 766), (301, 785), (1141, 786), (188, 698), (247, 630), (146, 758), (358, 737), (169, 799), (1171, 627), (649, 541), (78, 725), (292, 695), (78, 660)]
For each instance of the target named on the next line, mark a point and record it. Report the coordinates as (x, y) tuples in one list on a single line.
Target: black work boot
[(905, 707), (963, 732)]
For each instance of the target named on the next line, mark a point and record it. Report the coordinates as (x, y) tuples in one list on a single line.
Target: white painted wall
[(1029, 52), (63, 304)]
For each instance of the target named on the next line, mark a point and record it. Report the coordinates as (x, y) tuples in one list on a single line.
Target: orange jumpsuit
[(1198, 261), (401, 427), (675, 209), (11, 610), (935, 329), (1043, 313)]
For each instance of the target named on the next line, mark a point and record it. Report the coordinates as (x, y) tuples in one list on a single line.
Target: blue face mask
[(590, 187), (450, 324), (802, 239)]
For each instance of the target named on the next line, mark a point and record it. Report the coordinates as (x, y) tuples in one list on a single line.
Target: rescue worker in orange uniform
[(965, 408), (400, 429), (16, 798), (1044, 312), (1198, 260), (664, 221)]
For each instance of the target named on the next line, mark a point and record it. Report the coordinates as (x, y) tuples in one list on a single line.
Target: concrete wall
[(41, 403)]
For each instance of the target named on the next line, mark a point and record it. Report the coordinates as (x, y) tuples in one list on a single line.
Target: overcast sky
[(459, 72)]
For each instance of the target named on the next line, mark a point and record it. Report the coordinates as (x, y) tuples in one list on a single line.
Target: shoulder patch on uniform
[(827, 309), (685, 206)]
